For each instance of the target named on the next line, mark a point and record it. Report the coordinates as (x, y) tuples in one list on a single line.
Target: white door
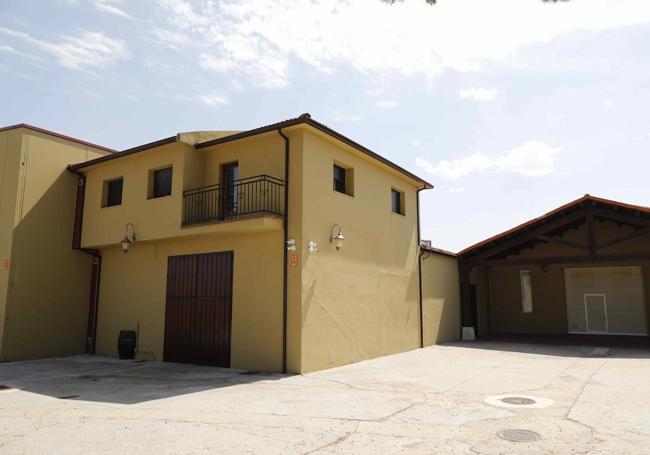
[(607, 300), (596, 313)]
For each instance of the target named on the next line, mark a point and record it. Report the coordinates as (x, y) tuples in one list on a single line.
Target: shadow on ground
[(632, 347), (103, 379)]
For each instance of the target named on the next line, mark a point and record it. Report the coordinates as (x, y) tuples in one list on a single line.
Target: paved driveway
[(452, 399)]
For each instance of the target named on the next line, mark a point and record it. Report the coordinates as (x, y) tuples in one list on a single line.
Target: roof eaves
[(306, 119), (59, 135), (127, 152), (559, 210), (439, 251)]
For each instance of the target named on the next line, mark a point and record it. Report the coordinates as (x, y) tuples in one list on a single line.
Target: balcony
[(259, 195)]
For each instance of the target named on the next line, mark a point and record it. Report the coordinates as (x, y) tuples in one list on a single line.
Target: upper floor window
[(343, 181), (397, 201), (526, 291), (161, 182), (112, 192)]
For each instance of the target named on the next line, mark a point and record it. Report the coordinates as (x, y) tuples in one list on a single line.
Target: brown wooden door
[(198, 311)]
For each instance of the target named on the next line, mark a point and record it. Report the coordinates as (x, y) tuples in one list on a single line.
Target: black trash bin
[(126, 344)]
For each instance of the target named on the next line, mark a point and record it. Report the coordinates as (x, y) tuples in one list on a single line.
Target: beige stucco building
[(44, 283), (232, 253)]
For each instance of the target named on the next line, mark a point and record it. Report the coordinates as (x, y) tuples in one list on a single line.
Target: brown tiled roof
[(303, 119), (496, 239)]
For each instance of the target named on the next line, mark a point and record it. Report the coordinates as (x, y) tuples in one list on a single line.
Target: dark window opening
[(339, 179), (114, 192), (396, 201), (162, 182), (229, 189)]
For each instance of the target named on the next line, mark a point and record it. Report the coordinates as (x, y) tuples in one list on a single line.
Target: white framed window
[(526, 291)]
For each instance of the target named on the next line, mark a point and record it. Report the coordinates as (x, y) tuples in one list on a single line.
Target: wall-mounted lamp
[(126, 241), (337, 239), (291, 245), (312, 246)]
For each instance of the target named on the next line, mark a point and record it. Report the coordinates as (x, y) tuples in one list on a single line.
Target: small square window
[(113, 192), (526, 291), (397, 201), (161, 182), (343, 181), (339, 179)]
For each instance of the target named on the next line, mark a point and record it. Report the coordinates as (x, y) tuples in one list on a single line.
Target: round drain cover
[(517, 435), (521, 401)]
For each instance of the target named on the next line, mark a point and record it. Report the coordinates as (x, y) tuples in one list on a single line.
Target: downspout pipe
[(95, 272), (79, 213), (285, 225), (417, 193)]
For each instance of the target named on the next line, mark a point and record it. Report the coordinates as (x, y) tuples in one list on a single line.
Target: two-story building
[(283, 248), (44, 284)]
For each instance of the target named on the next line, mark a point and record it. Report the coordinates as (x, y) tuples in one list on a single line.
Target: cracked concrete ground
[(425, 401)]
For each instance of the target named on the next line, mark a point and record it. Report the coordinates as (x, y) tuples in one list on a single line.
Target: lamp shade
[(125, 243)]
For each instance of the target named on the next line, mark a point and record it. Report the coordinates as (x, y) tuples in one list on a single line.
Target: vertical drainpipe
[(420, 267), (285, 225), (91, 328)]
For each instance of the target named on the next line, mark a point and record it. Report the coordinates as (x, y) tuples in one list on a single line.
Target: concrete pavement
[(443, 399)]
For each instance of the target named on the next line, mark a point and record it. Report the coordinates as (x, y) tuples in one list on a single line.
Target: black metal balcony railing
[(261, 194)]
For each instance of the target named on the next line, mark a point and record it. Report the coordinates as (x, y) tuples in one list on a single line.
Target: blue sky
[(510, 107)]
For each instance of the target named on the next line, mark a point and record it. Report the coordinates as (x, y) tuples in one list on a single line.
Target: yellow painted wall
[(160, 218), (294, 273), (256, 155), (48, 291), (10, 149), (362, 302), (133, 286), (133, 289), (440, 298), (342, 307), (154, 219)]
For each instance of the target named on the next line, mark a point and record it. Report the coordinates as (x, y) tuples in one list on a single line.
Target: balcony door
[(229, 190)]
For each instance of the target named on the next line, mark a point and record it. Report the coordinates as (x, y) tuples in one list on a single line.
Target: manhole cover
[(517, 435), (518, 401), (521, 401)]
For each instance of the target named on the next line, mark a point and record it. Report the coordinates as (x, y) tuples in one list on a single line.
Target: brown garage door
[(199, 308)]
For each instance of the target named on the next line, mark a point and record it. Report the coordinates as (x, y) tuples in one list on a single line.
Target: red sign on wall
[(5, 264), (293, 260)]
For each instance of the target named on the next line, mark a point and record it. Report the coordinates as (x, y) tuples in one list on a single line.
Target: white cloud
[(109, 6), (183, 15), (345, 118), (260, 38), (608, 103), (11, 50), (478, 94), (132, 98), (169, 38), (87, 52), (415, 143), (214, 100), (386, 104), (265, 68), (456, 190), (531, 159)]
